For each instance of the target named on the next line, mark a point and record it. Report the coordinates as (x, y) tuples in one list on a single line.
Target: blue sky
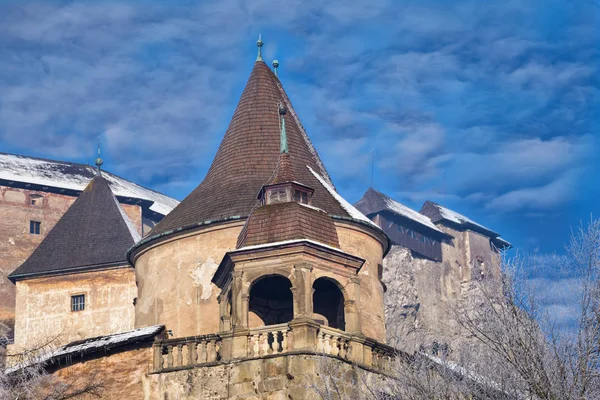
[(489, 108)]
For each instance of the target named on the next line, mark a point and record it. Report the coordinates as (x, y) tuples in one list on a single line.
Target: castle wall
[(124, 375), (285, 377), (44, 307), (174, 281), (356, 240), (17, 244), (424, 296), (175, 289)]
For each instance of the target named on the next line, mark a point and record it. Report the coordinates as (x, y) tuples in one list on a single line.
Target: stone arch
[(270, 301), (328, 303)]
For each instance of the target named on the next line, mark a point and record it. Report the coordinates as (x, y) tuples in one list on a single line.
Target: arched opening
[(328, 304), (271, 302)]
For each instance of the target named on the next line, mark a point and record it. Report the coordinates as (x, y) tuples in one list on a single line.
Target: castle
[(241, 289)]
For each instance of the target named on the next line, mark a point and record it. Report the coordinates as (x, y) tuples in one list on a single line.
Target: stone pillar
[(352, 315), (302, 291), (239, 306), (224, 310)]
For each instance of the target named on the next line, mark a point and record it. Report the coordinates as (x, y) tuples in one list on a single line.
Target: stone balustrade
[(271, 339), (305, 337), (184, 352), (333, 342)]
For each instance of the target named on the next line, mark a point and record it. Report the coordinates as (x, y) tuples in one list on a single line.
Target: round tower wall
[(175, 288), (174, 280), (356, 240)]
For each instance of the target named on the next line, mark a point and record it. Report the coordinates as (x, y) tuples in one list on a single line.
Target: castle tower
[(237, 207), (77, 283)]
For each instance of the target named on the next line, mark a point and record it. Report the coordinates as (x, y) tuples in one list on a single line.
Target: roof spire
[(283, 137), (259, 44), (275, 65), (99, 160)]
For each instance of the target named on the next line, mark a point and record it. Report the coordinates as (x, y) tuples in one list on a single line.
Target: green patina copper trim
[(259, 44)]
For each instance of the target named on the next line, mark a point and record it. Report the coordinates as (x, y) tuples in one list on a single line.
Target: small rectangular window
[(35, 227), (78, 302)]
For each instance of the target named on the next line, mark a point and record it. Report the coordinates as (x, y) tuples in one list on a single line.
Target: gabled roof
[(73, 176), (374, 202), (247, 157), (93, 233), (439, 213)]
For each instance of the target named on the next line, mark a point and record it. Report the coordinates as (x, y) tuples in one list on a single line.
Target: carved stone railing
[(333, 342), (298, 336), (186, 351), (271, 339)]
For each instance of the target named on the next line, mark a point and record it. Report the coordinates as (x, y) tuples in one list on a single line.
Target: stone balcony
[(295, 337)]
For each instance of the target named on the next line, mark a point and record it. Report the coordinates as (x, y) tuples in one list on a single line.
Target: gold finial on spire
[(259, 44)]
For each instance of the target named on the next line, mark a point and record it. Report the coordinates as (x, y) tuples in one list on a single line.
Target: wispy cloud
[(486, 103)]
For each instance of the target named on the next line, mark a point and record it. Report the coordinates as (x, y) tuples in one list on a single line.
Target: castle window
[(35, 227), (277, 196), (78, 302), (300, 196), (35, 199)]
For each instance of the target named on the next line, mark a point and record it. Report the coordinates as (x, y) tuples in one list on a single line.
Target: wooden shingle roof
[(288, 221), (94, 232), (247, 157)]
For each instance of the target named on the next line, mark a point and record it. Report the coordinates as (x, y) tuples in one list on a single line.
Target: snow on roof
[(74, 176), (134, 233), (404, 211), (457, 218), (350, 209), (284, 242), (91, 345)]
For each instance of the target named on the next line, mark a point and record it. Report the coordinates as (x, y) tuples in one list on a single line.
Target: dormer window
[(300, 196), (277, 196)]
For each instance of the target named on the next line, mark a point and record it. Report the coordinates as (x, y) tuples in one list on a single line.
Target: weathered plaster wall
[(174, 281), (357, 241), (175, 289), (44, 307), (123, 375), (16, 243)]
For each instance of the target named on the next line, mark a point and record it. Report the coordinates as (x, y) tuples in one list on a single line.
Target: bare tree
[(523, 353), (28, 379)]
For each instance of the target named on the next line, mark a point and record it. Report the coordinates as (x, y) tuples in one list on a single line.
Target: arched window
[(328, 304), (271, 301)]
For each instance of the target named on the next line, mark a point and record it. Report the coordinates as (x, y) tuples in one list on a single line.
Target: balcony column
[(304, 327), (225, 310), (302, 291), (351, 305), (240, 301)]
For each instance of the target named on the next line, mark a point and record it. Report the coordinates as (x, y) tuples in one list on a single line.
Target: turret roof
[(248, 156), (94, 232)]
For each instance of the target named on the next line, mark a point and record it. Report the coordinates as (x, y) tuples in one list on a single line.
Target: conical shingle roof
[(247, 157), (94, 232)]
